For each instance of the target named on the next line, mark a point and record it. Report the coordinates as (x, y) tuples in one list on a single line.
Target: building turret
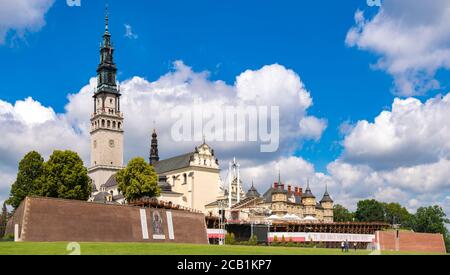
[(328, 205), (154, 154), (252, 192), (309, 201), (279, 199)]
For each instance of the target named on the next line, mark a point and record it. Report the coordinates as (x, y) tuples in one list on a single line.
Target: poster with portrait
[(158, 226)]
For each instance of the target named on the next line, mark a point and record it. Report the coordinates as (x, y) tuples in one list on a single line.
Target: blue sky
[(223, 37), (352, 77)]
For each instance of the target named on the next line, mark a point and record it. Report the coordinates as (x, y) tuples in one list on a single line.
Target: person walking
[(355, 246), (347, 246), (343, 246)]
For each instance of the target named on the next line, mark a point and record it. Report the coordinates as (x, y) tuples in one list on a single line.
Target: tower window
[(114, 124), (103, 123), (109, 124), (119, 125)]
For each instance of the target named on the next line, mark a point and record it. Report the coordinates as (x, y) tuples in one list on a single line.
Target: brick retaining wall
[(410, 241), (55, 220)]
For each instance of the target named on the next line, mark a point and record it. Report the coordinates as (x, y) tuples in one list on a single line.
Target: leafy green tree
[(370, 211), (397, 214), (430, 219), (138, 180), (342, 214), (30, 170), (65, 177), (3, 220)]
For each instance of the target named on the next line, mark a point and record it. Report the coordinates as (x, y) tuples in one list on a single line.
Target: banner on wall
[(157, 225), (170, 225), (320, 237)]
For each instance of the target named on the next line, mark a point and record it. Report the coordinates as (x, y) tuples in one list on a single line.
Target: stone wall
[(55, 220), (410, 241)]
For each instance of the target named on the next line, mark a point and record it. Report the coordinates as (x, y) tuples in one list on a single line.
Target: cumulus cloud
[(312, 127), (403, 155), (412, 133), (30, 126), (411, 38), (22, 16)]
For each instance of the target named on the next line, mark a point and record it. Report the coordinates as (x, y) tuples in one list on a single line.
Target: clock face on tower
[(111, 143)]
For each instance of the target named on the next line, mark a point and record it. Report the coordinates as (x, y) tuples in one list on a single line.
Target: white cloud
[(312, 127), (412, 39), (402, 156), (21, 16), (412, 133), (129, 32)]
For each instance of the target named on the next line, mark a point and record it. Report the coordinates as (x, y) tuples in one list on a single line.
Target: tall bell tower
[(107, 119)]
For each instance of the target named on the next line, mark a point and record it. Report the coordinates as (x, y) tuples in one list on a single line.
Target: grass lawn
[(11, 248)]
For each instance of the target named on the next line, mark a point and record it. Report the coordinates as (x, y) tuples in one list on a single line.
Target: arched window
[(184, 179), (103, 123), (114, 124), (109, 124), (119, 125)]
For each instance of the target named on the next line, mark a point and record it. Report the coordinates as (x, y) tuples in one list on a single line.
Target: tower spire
[(106, 18), (154, 154)]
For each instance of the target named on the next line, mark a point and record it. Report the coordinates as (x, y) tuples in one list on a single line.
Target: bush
[(275, 240), (230, 239), (8, 238), (253, 240)]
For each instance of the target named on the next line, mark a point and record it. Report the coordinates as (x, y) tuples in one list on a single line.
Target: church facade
[(191, 180), (195, 175)]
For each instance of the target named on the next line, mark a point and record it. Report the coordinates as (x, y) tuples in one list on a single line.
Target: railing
[(155, 203)]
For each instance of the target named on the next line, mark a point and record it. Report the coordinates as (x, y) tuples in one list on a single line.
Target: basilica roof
[(174, 163)]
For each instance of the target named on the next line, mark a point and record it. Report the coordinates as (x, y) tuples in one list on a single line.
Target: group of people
[(345, 246)]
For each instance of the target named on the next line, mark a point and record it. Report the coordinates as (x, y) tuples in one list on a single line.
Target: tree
[(65, 177), (430, 219), (3, 220), (341, 214), (370, 211), (138, 180), (397, 214), (30, 170)]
